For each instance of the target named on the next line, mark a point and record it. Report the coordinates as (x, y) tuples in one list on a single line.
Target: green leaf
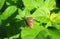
[(2, 3), (55, 34), (41, 14), (42, 34), (22, 13), (15, 36), (50, 33), (50, 4), (55, 18), (29, 4), (30, 33), (39, 3), (11, 2), (8, 12)]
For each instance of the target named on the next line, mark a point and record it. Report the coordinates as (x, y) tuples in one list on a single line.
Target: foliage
[(14, 12)]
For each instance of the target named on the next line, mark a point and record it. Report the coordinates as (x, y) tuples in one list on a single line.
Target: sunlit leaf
[(30, 33), (2, 3), (8, 12)]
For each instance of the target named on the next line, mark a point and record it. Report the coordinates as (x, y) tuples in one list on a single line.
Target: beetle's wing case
[(29, 21)]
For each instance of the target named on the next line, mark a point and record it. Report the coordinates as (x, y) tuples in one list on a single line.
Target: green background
[(45, 12)]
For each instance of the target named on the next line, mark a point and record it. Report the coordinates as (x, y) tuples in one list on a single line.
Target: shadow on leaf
[(13, 28)]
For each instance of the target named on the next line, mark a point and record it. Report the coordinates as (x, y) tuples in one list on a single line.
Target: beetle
[(29, 21)]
